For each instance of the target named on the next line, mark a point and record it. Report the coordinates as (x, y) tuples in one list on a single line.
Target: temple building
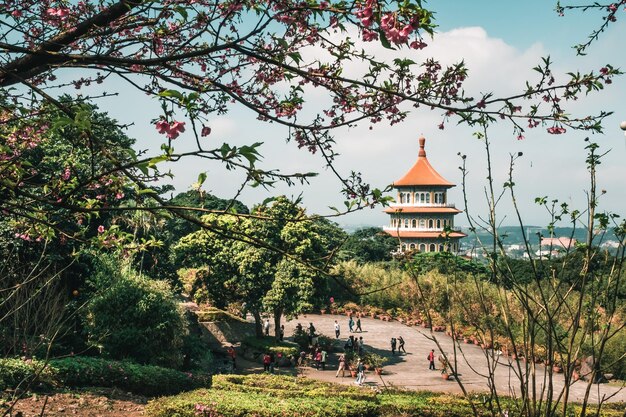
[(422, 218)]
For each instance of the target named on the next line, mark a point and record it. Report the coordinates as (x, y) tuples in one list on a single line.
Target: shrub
[(215, 314), (269, 344), (267, 396), (139, 379), (135, 318), (15, 372), (274, 395)]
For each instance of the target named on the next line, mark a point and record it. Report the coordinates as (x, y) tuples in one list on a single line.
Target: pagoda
[(422, 218)]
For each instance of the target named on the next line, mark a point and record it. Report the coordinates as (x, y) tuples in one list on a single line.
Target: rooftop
[(422, 173)]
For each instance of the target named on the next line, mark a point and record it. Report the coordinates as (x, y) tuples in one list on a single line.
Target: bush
[(215, 314), (269, 344), (136, 318), (267, 396), (274, 395), (139, 379), (21, 373)]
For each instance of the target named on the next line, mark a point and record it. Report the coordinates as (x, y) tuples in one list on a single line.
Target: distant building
[(422, 218), (558, 242)]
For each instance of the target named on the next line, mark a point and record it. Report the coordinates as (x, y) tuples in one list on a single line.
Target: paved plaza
[(410, 370)]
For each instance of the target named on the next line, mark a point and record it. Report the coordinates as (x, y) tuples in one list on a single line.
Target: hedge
[(84, 372), (269, 344), (279, 395), (21, 373), (212, 314)]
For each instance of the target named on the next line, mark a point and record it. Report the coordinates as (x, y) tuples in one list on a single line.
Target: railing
[(412, 229), (423, 205)]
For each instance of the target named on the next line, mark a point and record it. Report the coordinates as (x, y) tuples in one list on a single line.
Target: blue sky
[(500, 41)]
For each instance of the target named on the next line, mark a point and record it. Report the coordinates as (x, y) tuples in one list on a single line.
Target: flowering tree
[(200, 58)]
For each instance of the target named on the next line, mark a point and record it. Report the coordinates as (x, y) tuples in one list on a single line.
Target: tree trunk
[(278, 312), (258, 327)]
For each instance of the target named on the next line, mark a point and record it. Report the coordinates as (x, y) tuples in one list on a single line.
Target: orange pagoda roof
[(414, 209), (432, 235), (422, 173)]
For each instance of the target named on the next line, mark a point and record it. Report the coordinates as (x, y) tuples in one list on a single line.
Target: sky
[(500, 41)]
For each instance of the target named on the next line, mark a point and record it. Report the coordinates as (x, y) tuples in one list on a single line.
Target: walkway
[(410, 370)]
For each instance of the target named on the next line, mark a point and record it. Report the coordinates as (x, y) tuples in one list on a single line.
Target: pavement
[(411, 371)]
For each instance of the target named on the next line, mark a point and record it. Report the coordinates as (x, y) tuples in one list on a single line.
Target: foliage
[(374, 360), (368, 245), (25, 373), (274, 395), (215, 314), (444, 263), (151, 328), (139, 379), (270, 344)]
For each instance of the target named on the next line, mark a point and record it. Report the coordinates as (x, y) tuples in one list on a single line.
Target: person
[(336, 330), (267, 360), (323, 359), (361, 347), (351, 324), (349, 343), (318, 358), (233, 355), (302, 359), (355, 344), (342, 365), (360, 372), (272, 362), (401, 345), (311, 333), (282, 332), (299, 328), (431, 359), (393, 345), (266, 327), (358, 325)]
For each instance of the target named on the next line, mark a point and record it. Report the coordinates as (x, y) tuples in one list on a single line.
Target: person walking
[(361, 347), (358, 325), (266, 327), (431, 360), (342, 365), (351, 324), (401, 345), (323, 359), (394, 342), (337, 330), (360, 375)]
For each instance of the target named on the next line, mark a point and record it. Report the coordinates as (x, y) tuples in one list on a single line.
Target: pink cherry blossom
[(101, 229), (162, 126)]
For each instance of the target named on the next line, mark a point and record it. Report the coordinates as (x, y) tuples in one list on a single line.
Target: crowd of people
[(317, 356)]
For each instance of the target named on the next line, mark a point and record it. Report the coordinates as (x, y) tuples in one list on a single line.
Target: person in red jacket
[(431, 359)]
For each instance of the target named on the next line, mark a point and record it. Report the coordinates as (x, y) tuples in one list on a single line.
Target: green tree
[(369, 245)]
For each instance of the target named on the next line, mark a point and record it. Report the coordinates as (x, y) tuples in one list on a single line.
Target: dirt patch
[(84, 403)]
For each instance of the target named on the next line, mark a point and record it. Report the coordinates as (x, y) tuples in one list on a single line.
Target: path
[(411, 370)]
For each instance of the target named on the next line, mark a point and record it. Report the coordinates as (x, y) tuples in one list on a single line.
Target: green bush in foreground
[(274, 396), (140, 379), (20, 373), (94, 372)]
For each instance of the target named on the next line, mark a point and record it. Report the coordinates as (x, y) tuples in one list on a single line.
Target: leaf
[(384, 41), (172, 93), (201, 178)]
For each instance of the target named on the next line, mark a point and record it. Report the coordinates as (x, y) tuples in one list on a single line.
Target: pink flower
[(369, 35), (101, 229), (66, 174), (178, 126), (206, 131), (162, 126), (16, 13)]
